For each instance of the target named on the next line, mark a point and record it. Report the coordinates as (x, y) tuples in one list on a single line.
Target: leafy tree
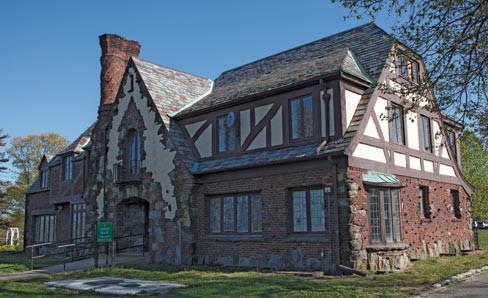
[(3, 184), (26, 153), (452, 37), (475, 169)]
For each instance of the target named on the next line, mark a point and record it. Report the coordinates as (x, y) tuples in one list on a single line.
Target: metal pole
[(32, 258)]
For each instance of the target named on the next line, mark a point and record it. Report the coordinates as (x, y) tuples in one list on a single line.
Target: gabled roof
[(361, 51), (171, 89), (80, 142)]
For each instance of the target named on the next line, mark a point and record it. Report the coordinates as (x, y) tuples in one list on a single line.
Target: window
[(308, 210), (134, 153), (407, 68), (78, 220), (397, 125), (68, 168), (236, 214), (44, 179), (45, 228), (226, 131), (425, 134), (451, 135), (424, 201), (301, 117), (455, 206), (385, 215)]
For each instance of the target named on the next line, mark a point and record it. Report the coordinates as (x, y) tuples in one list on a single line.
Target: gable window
[(455, 205), (236, 214), (425, 134), (68, 168), (134, 152), (78, 220), (44, 179), (45, 229), (451, 135), (385, 215), (308, 210), (408, 68), (226, 131), (301, 118), (424, 201), (397, 125)]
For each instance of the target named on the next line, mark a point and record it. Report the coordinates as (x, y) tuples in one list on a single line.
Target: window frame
[(397, 124), (45, 228), (252, 199), (44, 179), (425, 135), (78, 221), (302, 121), (451, 136), (229, 135), (424, 202), (395, 212), (455, 203), (308, 210), (407, 68), (134, 154), (68, 168)]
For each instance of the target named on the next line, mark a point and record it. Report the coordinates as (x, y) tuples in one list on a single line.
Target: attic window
[(67, 168), (44, 179), (408, 68), (226, 131), (131, 81), (301, 118)]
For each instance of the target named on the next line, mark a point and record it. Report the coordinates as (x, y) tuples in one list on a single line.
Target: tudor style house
[(296, 161)]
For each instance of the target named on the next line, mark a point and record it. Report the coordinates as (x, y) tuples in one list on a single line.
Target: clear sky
[(51, 56)]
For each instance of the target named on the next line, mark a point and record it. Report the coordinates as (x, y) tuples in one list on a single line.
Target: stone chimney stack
[(116, 52)]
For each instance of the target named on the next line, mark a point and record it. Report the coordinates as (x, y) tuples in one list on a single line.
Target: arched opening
[(132, 224)]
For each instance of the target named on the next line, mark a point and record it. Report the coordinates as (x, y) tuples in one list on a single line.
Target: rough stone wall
[(441, 234), (277, 246)]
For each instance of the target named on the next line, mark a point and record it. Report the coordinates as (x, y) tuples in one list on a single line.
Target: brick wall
[(277, 246)]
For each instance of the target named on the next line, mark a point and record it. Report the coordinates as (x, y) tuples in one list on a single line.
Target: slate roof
[(77, 145), (171, 89), (361, 51)]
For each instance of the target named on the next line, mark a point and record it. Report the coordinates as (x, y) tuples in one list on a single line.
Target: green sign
[(104, 231)]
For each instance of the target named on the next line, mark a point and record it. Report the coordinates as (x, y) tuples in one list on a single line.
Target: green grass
[(228, 283), (16, 261), (483, 239)]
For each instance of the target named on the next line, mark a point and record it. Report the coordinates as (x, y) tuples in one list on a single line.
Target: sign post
[(104, 231)]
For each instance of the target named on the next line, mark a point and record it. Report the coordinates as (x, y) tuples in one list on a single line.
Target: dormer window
[(44, 179), (67, 168), (226, 131), (134, 153), (301, 118)]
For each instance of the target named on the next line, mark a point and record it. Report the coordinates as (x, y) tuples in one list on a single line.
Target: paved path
[(73, 266), (473, 287)]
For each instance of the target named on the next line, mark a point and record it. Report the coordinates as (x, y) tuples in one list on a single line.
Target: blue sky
[(51, 56)]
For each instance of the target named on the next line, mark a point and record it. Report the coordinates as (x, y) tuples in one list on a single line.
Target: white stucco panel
[(447, 170), (412, 130), (382, 113), (259, 141), (277, 128), (204, 142), (352, 100), (415, 163), (159, 159), (428, 166), (400, 159), (260, 112), (370, 129), (245, 125), (193, 127), (369, 152), (436, 130)]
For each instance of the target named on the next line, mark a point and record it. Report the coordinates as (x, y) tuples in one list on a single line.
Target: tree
[(26, 154), (3, 184), (475, 169), (452, 37)]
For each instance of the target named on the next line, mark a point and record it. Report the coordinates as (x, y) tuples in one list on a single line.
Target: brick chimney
[(116, 52)]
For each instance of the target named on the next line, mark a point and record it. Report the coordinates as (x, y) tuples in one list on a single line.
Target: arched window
[(134, 152)]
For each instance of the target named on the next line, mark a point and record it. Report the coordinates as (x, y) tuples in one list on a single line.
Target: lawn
[(228, 283), (483, 239), (17, 261)]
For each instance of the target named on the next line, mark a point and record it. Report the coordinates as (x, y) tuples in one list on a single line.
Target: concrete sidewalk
[(73, 266)]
